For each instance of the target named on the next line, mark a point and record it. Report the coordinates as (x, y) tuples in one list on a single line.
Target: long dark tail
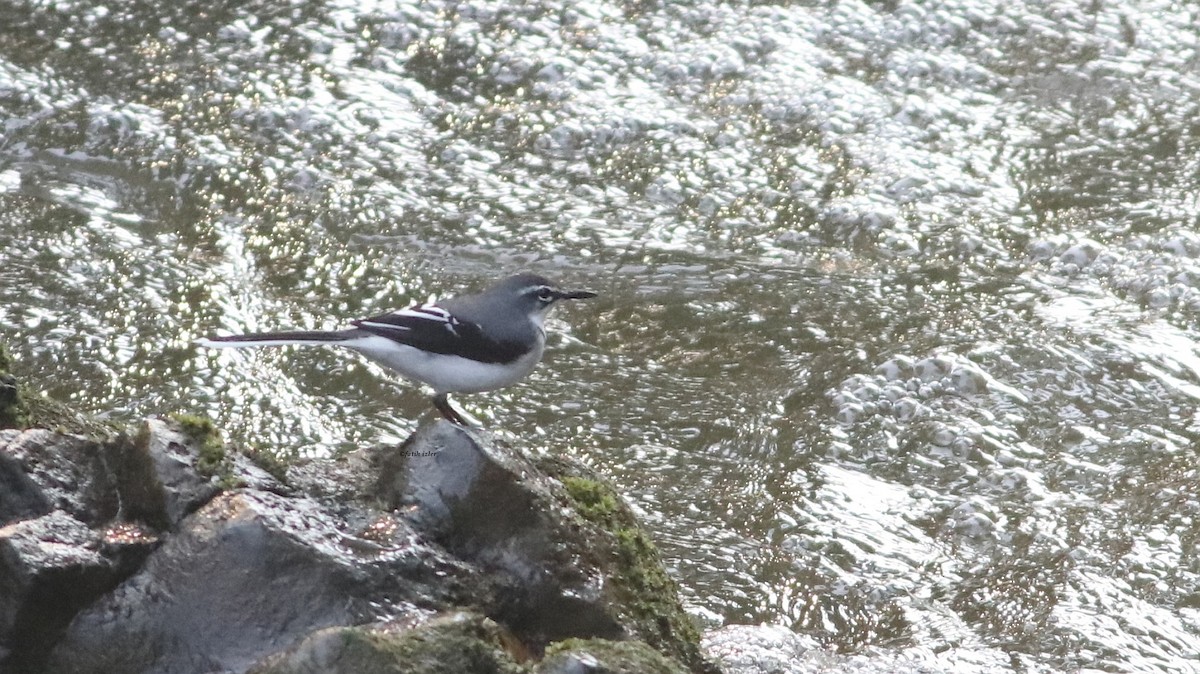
[(279, 338)]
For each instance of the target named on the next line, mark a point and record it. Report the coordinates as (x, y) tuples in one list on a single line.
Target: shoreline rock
[(163, 551), (568, 554)]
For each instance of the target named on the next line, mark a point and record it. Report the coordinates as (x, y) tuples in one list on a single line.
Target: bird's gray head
[(534, 295)]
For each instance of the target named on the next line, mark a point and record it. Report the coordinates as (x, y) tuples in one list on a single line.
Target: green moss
[(594, 500), (456, 644), (268, 461), (198, 428), (615, 657), (650, 595), (214, 458), (440, 649), (212, 461), (14, 413), (62, 418)]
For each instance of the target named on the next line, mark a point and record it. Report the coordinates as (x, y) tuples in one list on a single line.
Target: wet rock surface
[(57, 551), (567, 554), (50, 567), (165, 551), (250, 573), (42, 472), (496, 509)]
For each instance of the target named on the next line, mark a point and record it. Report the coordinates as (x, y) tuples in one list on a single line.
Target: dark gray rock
[(78, 511), (153, 478), (254, 573), (495, 508), (249, 574), (568, 556), (159, 473), (50, 567), (41, 559), (174, 466), (20, 496), (42, 471), (57, 498)]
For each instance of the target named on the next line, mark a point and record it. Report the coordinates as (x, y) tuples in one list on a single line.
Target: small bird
[(465, 344)]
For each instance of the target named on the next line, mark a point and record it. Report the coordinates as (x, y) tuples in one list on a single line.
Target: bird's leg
[(442, 403)]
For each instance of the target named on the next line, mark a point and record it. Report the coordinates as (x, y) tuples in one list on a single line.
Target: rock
[(566, 550), (638, 588), (12, 408), (254, 573), (495, 508), (59, 550), (164, 551), (206, 454), (455, 643), (50, 567), (74, 505), (20, 496), (157, 478), (44, 471), (249, 574), (161, 477)]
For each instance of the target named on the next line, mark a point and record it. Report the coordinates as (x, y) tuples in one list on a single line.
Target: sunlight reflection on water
[(895, 343)]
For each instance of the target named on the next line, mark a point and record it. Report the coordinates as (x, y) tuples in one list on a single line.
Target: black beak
[(575, 294)]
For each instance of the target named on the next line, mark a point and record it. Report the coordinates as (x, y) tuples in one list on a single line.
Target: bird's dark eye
[(545, 294)]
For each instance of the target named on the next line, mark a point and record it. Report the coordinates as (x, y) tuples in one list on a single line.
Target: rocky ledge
[(160, 550)]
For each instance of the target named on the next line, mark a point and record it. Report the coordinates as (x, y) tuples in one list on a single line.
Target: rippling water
[(898, 338)]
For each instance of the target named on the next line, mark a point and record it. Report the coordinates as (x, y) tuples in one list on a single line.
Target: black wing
[(431, 328)]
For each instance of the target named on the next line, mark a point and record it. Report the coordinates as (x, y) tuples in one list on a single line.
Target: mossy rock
[(213, 461), (640, 581), (60, 417), (458, 643)]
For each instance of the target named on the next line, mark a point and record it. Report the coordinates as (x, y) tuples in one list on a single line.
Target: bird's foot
[(442, 403)]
